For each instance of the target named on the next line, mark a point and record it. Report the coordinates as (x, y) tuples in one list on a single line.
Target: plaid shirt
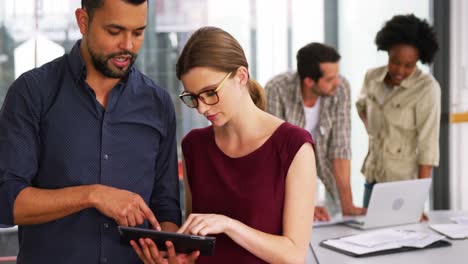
[(284, 100)]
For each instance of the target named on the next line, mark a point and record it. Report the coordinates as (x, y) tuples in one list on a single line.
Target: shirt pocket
[(399, 161), (374, 115), (401, 116), (397, 169), (323, 131), (393, 149)]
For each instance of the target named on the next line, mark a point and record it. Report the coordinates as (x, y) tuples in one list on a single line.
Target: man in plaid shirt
[(317, 99)]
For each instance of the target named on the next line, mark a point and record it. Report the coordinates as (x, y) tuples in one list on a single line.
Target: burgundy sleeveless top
[(250, 189)]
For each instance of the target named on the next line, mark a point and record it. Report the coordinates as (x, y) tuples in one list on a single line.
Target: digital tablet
[(183, 243)]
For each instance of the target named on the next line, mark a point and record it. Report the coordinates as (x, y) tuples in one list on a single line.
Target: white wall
[(359, 22), (268, 17), (34, 53), (271, 22), (307, 23), (237, 21), (459, 103), (272, 28)]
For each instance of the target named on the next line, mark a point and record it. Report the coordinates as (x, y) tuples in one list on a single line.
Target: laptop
[(394, 203)]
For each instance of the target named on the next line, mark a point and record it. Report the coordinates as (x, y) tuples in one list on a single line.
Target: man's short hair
[(309, 58), (91, 5)]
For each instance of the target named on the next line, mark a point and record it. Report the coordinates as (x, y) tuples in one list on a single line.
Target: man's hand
[(353, 210), (321, 214), (149, 253), (126, 208), (424, 217)]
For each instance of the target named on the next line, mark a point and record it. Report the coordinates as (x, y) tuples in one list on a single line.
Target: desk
[(8, 244), (457, 253)]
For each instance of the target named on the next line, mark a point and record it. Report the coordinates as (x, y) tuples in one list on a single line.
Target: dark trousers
[(368, 187)]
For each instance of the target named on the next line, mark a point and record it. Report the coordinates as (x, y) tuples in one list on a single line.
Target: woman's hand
[(204, 224), (149, 253)]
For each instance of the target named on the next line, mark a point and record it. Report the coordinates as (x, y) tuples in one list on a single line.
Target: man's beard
[(100, 62), (318, 92)]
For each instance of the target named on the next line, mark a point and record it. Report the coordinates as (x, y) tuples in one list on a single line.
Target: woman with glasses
[(248, 177)]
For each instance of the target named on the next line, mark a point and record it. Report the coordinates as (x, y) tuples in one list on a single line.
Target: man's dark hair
[(409, 30), (91, 5), (309, 58)]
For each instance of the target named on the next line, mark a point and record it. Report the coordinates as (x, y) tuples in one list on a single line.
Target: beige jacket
[(404, 130)]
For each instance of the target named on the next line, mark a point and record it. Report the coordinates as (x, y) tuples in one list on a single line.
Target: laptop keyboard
[(358, 220)]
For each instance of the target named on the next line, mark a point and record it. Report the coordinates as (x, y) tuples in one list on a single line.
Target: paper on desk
[(380, 237), (454, 231), (421, 242), (461, 220), (338, 243), (383, 240)]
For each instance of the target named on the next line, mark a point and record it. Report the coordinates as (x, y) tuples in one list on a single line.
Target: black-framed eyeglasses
[(208, 97)]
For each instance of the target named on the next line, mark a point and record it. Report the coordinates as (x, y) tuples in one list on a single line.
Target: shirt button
[(104, 260), (106, 225), (106, 157)]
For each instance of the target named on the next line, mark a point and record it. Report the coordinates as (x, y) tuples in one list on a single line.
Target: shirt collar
[(76, 62), (298, 89), (406, 83)]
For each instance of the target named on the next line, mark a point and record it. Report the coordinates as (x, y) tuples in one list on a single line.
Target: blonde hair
[(215, 48)]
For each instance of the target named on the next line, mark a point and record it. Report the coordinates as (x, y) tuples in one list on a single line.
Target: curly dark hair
[(410, 30)]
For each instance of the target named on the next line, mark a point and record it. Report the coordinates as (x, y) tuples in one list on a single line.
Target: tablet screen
[(183, 243)]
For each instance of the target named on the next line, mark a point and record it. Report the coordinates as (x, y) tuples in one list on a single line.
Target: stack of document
[(458, 230), (461, 220), (381, 240)]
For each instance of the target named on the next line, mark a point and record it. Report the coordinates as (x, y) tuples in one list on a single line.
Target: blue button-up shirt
[(55, 134)]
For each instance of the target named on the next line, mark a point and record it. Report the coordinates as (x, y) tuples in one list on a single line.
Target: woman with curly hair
[(400, 105)]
